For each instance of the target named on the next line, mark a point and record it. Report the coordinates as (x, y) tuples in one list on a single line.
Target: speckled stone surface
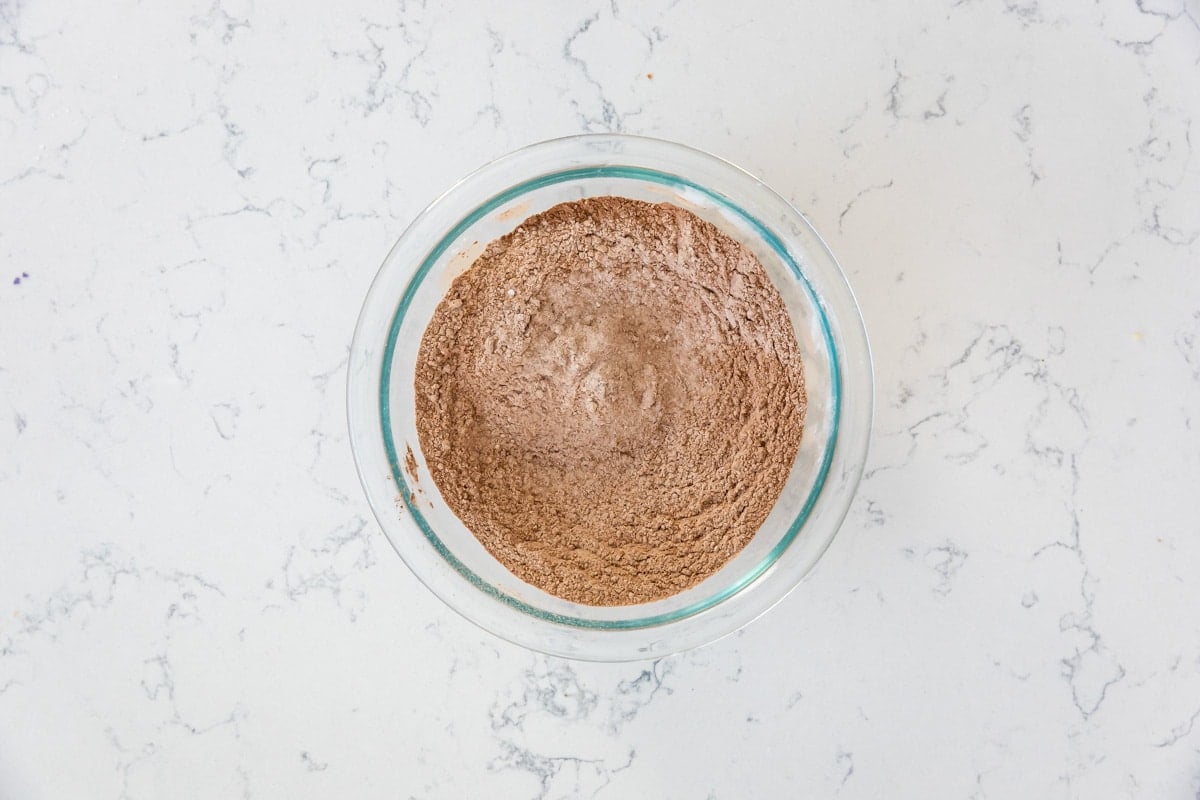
[(195, 600)]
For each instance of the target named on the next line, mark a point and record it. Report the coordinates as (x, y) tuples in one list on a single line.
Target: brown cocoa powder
[(611, 399)]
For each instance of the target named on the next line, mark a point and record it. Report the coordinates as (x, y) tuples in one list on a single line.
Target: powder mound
[(611, 398)]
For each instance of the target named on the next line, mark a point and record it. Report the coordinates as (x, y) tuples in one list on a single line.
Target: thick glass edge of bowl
[(809, 230), (702, 627)]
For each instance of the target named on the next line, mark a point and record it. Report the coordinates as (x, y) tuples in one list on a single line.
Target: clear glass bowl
[(447, 237)]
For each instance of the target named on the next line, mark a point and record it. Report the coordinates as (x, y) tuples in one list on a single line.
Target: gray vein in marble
[(893, 93), (1184, 13), (875, 514), (311, 764), (492, 110), (854, 119), (635, 694), (1181, 731), (945, 561), (1090, 268), (555, 689), (939, 109), (552, 690), (31, 172), (1028, 13), (992, 354), (382, 88), (610, 120), (586, 777), (346, 549), (1024, 134), (845, 763), (217, 18), (879, 187), (225, 419), (127, 759), (1186, 342)]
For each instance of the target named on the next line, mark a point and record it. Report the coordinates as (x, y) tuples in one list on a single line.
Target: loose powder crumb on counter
[(611, 399)]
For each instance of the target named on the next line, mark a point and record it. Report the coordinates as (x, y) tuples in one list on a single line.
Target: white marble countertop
[(195, 600)]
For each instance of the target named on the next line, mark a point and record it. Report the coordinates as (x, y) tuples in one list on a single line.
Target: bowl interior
[(458, 249)]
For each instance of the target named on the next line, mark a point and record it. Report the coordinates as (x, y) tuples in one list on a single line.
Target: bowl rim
[(416, 271)]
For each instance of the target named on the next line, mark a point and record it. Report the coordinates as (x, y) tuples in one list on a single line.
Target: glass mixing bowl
[(443, 242)]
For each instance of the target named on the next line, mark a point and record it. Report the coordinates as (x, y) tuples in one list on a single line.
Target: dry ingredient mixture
[(611, 398)]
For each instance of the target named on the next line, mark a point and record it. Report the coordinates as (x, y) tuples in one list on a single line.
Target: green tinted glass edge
[(634, 173)]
